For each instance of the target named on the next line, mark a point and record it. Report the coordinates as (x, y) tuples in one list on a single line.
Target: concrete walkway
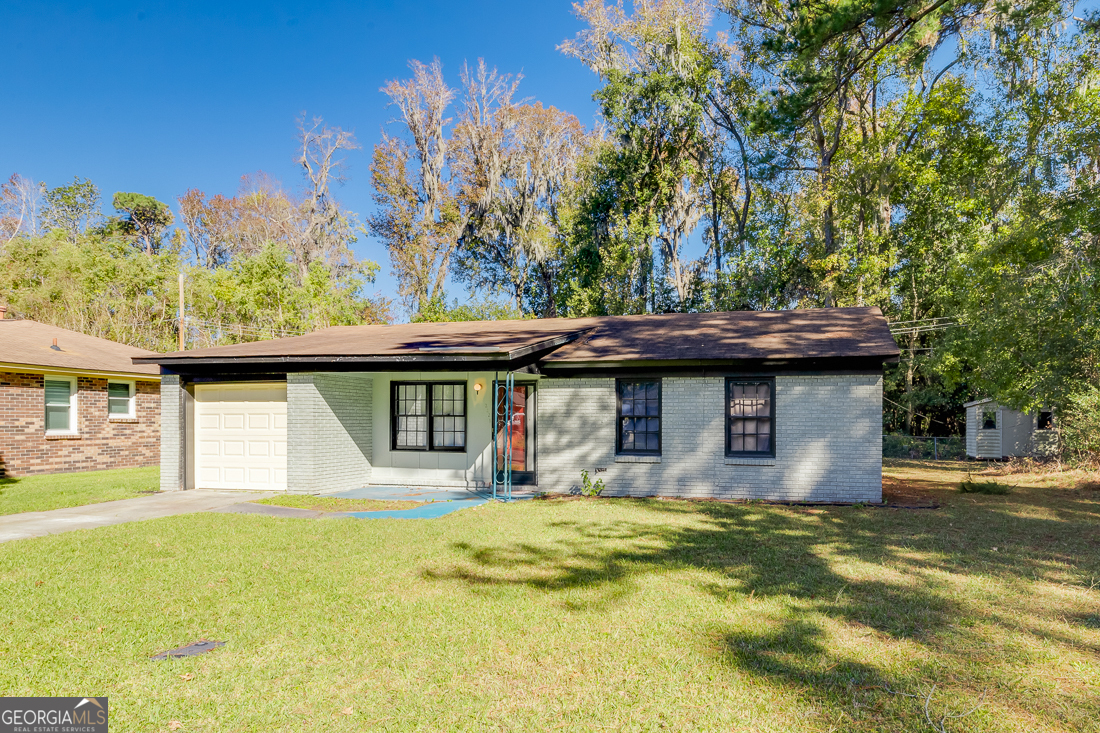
[(169, 503), (442, 501), (90, 516)]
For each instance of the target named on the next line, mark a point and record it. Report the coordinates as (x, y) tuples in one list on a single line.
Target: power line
[(241, 329), (926, 417)]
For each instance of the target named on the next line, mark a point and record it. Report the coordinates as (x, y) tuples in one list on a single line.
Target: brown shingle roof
[(748, 335), (735, 335), (28, 343), (404, 339)]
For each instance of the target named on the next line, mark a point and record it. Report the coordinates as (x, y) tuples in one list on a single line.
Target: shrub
[(970, 486), (588, 488), (1080, 426)]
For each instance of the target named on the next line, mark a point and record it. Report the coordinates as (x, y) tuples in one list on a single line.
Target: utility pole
[(181, 312)]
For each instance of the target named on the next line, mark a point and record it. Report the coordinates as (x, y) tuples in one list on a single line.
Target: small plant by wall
[(588, 488)]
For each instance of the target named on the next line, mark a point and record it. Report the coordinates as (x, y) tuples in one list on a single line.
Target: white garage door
[(240, 440)]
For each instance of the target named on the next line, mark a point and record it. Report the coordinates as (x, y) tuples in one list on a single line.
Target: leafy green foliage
[(106, 288), (970, 486), (145, 218), (588, 488), (72, 209), (435, 310), (1080, 424)]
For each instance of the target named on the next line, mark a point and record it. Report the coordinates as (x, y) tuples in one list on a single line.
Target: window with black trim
[(639, 416), (750, 417), (428, 416), (1046, 421)]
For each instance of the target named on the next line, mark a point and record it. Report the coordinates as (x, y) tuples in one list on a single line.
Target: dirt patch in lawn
[(333, 504)]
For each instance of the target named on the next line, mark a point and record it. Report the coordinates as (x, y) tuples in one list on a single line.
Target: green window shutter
[(57, 404), (118, 399)]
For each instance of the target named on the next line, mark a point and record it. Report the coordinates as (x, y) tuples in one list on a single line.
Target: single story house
[(72, 402), (995, 431), (782, 405)]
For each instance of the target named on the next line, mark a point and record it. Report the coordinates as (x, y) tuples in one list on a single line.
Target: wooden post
[(181, 312)]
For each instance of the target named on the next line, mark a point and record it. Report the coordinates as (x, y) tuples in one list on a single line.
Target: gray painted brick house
[(782, 405)]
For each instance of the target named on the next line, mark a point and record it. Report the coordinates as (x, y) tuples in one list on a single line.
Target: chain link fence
[(951, 448)]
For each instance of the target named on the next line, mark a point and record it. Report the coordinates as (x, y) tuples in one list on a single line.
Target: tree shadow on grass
[(890, 574)]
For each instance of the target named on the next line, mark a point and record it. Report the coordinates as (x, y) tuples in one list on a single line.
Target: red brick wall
[(102, 443)]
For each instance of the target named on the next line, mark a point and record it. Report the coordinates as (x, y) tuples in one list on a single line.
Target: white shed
[(995, 431)]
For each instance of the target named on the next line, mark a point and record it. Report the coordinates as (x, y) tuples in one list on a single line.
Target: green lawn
[(61, 490), (579, 615)]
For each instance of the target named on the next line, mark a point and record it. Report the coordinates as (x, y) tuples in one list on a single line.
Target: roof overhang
[(39, 369), (807, 365)]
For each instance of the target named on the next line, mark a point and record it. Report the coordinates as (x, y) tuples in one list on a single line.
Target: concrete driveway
[(169, 503)]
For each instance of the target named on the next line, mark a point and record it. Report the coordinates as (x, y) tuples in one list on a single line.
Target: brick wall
[(329, 431), (828, 441), (101, 443), (173, 440)]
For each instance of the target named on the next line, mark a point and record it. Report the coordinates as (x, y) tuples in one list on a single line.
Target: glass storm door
[(523, 437)]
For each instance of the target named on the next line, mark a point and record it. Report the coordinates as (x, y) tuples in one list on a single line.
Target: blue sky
[(161, 97)]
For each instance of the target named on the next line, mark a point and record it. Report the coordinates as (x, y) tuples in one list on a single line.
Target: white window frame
[(132, 414), (74, 415)]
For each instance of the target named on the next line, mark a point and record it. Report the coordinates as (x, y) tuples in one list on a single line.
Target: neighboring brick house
[(780, 405), (72, 402)]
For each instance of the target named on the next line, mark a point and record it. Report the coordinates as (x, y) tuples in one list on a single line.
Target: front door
[(523, 434)]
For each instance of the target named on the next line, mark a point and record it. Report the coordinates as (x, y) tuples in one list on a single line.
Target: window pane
[(749, 417), (411, 422), (57, 392), (57, 417), (639, 417), (118, 398), (448, 405)]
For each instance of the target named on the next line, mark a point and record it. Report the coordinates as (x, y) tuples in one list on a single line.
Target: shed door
[(240, 436)]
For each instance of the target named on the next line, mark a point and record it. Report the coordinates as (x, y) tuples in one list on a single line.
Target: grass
[(580, 615), (335, 504), (62, 490), (993, 488)]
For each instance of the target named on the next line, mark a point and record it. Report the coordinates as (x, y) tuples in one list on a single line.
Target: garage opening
[(240, 436)]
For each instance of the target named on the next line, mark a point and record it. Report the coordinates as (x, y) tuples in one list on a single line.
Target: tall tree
[(418, 216), (19, 201), (514, 163), (326, 230), (145, 219), (72, 209)]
